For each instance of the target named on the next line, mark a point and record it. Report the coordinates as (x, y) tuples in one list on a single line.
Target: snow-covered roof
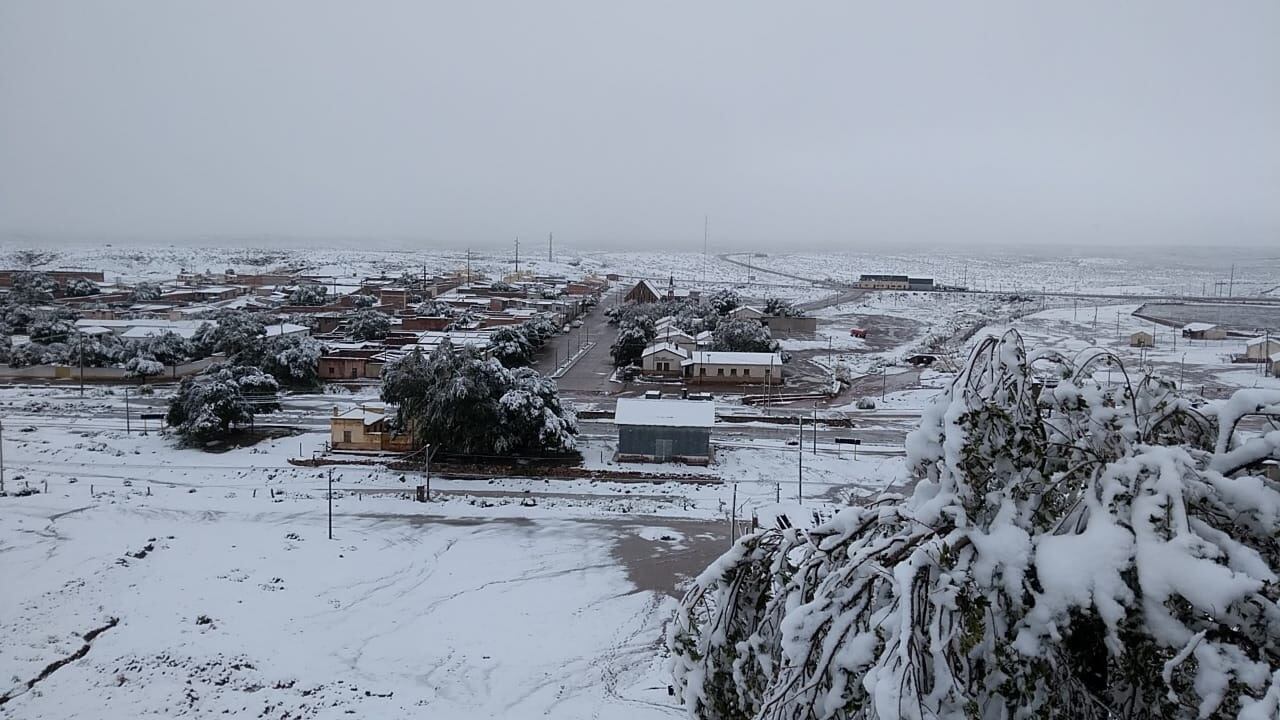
[(1262, 339), (705, 336), (1198, 326), (704, 357), (665, 413), (664, 346), (146, 331), (286, 329), (94, 330), (671, 331), (368, 413)]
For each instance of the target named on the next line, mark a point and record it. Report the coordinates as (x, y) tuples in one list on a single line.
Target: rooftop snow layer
[(665, 413)]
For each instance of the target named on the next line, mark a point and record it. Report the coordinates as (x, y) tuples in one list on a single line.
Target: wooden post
[(422, 493)]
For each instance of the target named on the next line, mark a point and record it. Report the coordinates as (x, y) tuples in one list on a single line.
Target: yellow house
[(1141, 338), (365, 428)]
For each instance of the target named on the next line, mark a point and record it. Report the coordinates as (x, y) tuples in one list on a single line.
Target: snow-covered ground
[(223, 595)]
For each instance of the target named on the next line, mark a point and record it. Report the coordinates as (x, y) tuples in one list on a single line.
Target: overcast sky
[(792, 124)]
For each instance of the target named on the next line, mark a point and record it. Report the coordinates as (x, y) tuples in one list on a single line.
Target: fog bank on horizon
[(827, 125)]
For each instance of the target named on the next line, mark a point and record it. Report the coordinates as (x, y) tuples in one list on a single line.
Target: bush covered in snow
[(1079, 552), (866, 403), (455, 399)]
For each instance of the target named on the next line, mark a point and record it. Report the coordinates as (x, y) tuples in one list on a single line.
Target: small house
[(663, 358), (675, 336), (664, 430), (1261, 348), (746, 312), (1274, 362), (1203, 331), (366, 429), (1141, 339)]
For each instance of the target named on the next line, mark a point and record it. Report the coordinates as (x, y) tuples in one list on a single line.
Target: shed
[(1142, 338), (664, 430), (1203, 331), (1261, 348)]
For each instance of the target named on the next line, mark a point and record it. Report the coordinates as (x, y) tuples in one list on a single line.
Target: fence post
[(422, 493)]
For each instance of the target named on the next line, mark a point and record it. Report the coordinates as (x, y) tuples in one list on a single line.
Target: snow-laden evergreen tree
[(632, 339), (167, 347), (742, 336), (455, 399), (369, 324), (210, 405), (1081, 551), (777, 307), (533, 420), (293, 360), (363, 301), (510, 346), (540, 329), (724, 301), (309, 294), (31, 288), (236, 334), (80, 287)]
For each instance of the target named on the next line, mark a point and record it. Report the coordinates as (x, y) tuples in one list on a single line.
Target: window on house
[(746, 372), (733, 372), (720, 372), (702, 371), (346, 436), (767, 373)]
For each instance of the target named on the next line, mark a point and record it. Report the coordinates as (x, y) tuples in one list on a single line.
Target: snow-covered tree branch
[(1070, 550)]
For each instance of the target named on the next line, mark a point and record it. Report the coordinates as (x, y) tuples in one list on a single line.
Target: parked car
[(576, 323), (858, 332)]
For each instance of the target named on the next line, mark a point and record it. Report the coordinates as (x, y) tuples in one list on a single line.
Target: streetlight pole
[(1182, 370), (1, 458), (330, 503)]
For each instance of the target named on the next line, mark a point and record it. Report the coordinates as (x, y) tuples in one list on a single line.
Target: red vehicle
[(858, 332)]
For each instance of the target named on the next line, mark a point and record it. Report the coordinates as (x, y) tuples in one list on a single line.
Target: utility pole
[(550, 254), (468, 266), (1231, 284), (127, 430), (884, 382), (800, 463), (733, 516), (517, 257), (330, 503), (1, 457), (80, 337), (815, 428), (706, 225)]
